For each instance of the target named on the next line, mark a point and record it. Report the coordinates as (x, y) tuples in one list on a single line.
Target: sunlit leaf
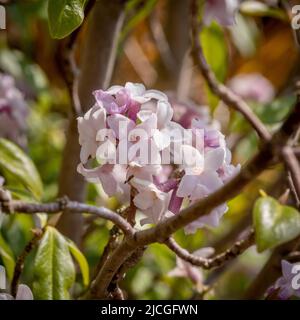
[(64, 16), (274, 223), (18, 165), (54, 271), (82, 262)]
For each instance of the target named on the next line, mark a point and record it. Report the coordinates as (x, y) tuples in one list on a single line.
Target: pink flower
[(253, 87), (222, 11), (185, 269), (126, 100), (113, 104)]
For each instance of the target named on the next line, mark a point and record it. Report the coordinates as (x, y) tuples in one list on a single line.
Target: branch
[(65, 204), (208, 263), (37, 234), (292, 165), (223, 92)]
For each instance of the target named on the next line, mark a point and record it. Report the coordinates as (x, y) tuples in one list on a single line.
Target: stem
[(21, 260), (292, 165), (208, 263), (75, 207)]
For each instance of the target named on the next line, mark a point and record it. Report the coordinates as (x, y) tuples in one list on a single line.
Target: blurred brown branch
[(223, 92)]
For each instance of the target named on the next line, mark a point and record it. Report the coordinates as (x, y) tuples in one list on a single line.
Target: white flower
[(150, 200), (88, 127)]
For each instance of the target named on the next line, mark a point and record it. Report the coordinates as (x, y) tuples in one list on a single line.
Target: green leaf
[(274, 223), (64, 16), (277, 110), (7, 257), (15, 163), (54, 271), (80, 258), (215, 51)]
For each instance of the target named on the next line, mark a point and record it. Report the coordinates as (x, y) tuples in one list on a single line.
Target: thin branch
[(223, 92), (208, 263), (99, 287), (75, 207), (21, 260), (292, 165)]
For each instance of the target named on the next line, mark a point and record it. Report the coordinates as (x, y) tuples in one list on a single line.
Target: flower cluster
[(145, 156), (13, 111)]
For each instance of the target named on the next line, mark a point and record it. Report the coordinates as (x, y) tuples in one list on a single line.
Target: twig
[(21, 260), (223, 92), (208, 263), (76, 207), (292, 165)]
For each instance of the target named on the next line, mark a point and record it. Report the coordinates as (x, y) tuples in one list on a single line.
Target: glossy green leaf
[(274, 223), (7, 257), (54, 271), (82, 262), (64, 16), (19, 166)]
